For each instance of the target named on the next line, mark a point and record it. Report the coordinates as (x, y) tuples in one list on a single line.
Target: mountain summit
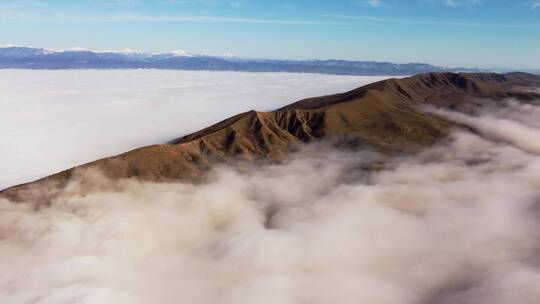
[(386, 116)]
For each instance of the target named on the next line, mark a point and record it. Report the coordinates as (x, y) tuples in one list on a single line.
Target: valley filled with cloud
[(455, 223), (54, 120)]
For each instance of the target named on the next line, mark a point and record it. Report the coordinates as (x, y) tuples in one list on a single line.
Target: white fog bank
[(53, 120)]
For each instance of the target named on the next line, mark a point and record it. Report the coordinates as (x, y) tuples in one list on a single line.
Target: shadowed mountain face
[(386, 116)]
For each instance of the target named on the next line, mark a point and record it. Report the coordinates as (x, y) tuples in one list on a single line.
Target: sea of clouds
[(456, 223), (54, 120)]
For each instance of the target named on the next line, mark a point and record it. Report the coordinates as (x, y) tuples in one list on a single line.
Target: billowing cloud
[(456, 223), (53, 120), (518, 129)]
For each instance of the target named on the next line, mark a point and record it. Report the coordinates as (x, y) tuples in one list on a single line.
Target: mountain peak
[(180, 53)]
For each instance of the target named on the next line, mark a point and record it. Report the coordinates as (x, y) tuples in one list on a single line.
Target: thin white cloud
[(460, 3), (375, 3), (443, 22), (331, 19), (224, 19), (535, 5), (118, 4), (16, 15)]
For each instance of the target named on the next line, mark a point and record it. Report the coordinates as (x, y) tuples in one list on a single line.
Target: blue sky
[(484, 33)]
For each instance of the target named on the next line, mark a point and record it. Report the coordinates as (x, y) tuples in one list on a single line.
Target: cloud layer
[(53, 120), (457, 223)]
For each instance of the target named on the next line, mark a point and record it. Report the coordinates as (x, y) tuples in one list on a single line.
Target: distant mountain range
[(38, 58)]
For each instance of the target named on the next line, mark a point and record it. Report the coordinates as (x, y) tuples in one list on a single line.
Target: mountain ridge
[(39, 58), (384, 116)]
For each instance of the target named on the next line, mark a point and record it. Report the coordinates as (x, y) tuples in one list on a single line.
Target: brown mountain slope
[(383, 115)]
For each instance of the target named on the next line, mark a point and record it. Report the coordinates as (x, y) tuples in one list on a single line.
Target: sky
[(468, 33)]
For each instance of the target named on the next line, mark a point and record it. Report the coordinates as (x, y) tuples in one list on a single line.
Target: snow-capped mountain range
[(18, 57)]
